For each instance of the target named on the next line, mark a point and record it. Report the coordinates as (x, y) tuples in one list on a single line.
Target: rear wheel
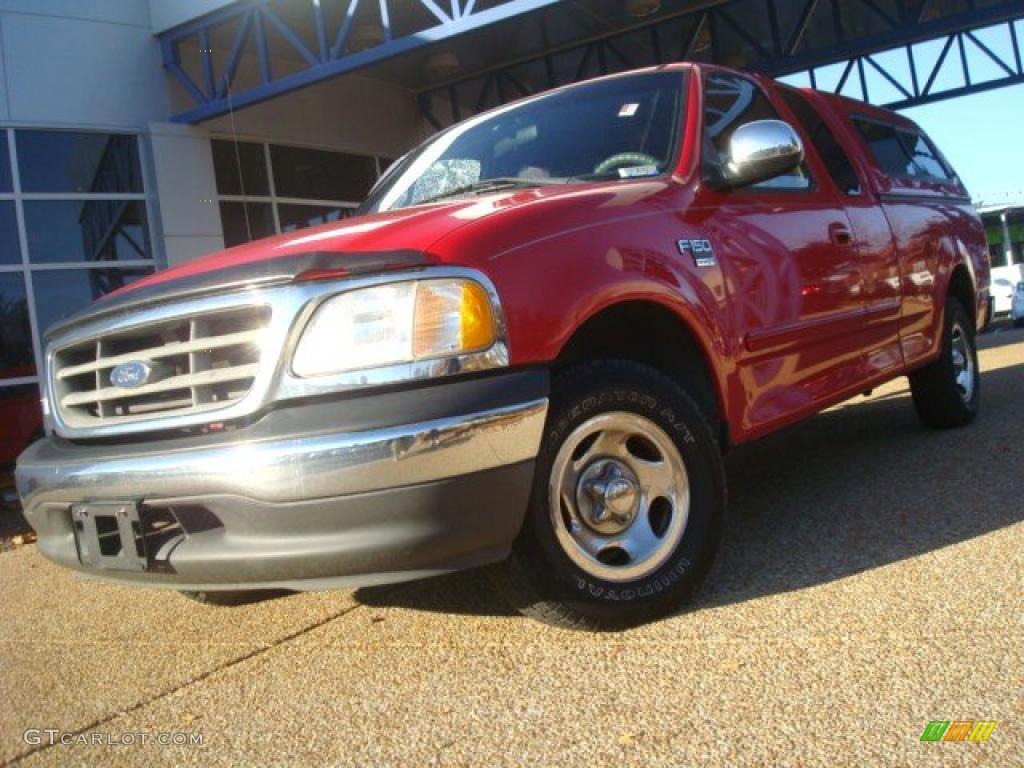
[(947, 392), (627, 504)]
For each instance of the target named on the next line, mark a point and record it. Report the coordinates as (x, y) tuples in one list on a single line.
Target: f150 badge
[(701, 251)]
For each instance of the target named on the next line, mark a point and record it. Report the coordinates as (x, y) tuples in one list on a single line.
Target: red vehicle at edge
[(19, 413), (530, 348)]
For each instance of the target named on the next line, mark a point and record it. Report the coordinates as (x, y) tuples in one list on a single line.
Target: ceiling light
[(442, 65)]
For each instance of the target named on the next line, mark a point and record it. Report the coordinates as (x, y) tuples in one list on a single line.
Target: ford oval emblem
[(131, 375)]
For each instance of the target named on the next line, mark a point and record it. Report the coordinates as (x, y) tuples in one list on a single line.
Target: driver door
[(790, 264)]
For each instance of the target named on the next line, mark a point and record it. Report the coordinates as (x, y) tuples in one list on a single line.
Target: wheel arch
[(961, 287), (652, 333)]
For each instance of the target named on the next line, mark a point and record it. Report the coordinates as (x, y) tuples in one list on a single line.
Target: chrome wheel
[(619, 496), (963, 364)]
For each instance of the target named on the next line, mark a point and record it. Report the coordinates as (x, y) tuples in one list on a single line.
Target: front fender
[(555, 267)]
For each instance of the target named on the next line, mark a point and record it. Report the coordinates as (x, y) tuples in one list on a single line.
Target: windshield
[(623, 127)]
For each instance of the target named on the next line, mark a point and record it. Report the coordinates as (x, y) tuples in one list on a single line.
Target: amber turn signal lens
[(452, 317)]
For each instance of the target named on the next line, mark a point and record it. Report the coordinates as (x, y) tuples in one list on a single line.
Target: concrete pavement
[(871, 580)]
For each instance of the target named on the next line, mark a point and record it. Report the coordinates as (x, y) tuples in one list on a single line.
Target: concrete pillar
[(1007, 245), (186, 191)]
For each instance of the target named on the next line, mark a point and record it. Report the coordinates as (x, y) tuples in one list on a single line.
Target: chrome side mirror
[(760, 151)]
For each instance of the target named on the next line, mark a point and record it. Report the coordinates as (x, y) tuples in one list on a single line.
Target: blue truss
[(757, 31), (214, 94), (721, 31), (916, 83)]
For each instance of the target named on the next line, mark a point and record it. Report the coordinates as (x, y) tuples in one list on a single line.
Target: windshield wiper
[(490, 185)]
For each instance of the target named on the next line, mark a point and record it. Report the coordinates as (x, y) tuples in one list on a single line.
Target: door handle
[(840, 234)]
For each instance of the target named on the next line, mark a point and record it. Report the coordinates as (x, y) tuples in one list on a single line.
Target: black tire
[(940, 401), (231, 597), (1019, 322), (542, 581)]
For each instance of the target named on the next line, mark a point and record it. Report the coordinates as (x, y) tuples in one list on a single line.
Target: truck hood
[(374, 243), (358, 244)]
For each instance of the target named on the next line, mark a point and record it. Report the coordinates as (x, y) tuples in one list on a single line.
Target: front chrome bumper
[(309, 497)]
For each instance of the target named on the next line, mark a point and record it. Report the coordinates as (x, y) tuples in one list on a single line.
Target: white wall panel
[(135, 12), (186, 190), (170, 13), (61, 70)]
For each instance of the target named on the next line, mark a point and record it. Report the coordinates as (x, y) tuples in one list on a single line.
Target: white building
[(99, 187)]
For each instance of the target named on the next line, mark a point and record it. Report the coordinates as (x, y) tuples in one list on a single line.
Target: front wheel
[(627, 504), (228, 597), (947, 392)]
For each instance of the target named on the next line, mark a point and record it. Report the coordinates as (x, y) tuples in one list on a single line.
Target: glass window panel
[(729, 102), (294, 217), (924, 156), (243, 222), (5, 165), (86, 230), (21, 418), (887, 149), (831, 152), (251, 180), (319, 175), (15, 333), (67, 161), (10, 249), (59, 292)]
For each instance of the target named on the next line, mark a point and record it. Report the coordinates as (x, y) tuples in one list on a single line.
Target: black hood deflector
[(255, 274)]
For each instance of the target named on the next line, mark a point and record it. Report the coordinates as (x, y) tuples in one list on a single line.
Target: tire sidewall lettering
[(658, 584)]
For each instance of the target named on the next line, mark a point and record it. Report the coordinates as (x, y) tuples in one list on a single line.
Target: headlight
[(395, 323)]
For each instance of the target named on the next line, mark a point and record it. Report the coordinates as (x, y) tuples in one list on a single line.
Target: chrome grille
[(199, 363)]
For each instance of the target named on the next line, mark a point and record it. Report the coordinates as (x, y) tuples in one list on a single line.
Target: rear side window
[(729, 102), (831, 152), (924, 155), (900, 152)]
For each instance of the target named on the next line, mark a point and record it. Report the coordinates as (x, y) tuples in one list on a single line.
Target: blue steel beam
[(907, 81), (716, 31), (769, 47), (216, 96)]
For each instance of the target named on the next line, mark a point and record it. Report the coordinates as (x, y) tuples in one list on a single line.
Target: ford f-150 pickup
[(527, 350)]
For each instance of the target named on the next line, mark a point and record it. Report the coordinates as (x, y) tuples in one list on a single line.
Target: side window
[(924, 155), (729, 102), (900, 152), (831, 152), (890, 154)]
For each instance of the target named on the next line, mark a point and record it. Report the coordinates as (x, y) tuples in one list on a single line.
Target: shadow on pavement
[(1001, 336), (856, 488), (12, 522)]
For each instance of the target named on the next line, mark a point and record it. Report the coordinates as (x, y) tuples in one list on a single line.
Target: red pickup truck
[(529, 348)]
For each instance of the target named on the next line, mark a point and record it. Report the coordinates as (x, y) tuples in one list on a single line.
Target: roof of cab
[(852, 107)]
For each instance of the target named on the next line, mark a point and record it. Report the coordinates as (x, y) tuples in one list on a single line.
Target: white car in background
[(1017, 306), (1004, 283), (1001, 290)]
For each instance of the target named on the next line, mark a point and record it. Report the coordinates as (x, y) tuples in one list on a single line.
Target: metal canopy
[(253, 50), (462, 56)]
